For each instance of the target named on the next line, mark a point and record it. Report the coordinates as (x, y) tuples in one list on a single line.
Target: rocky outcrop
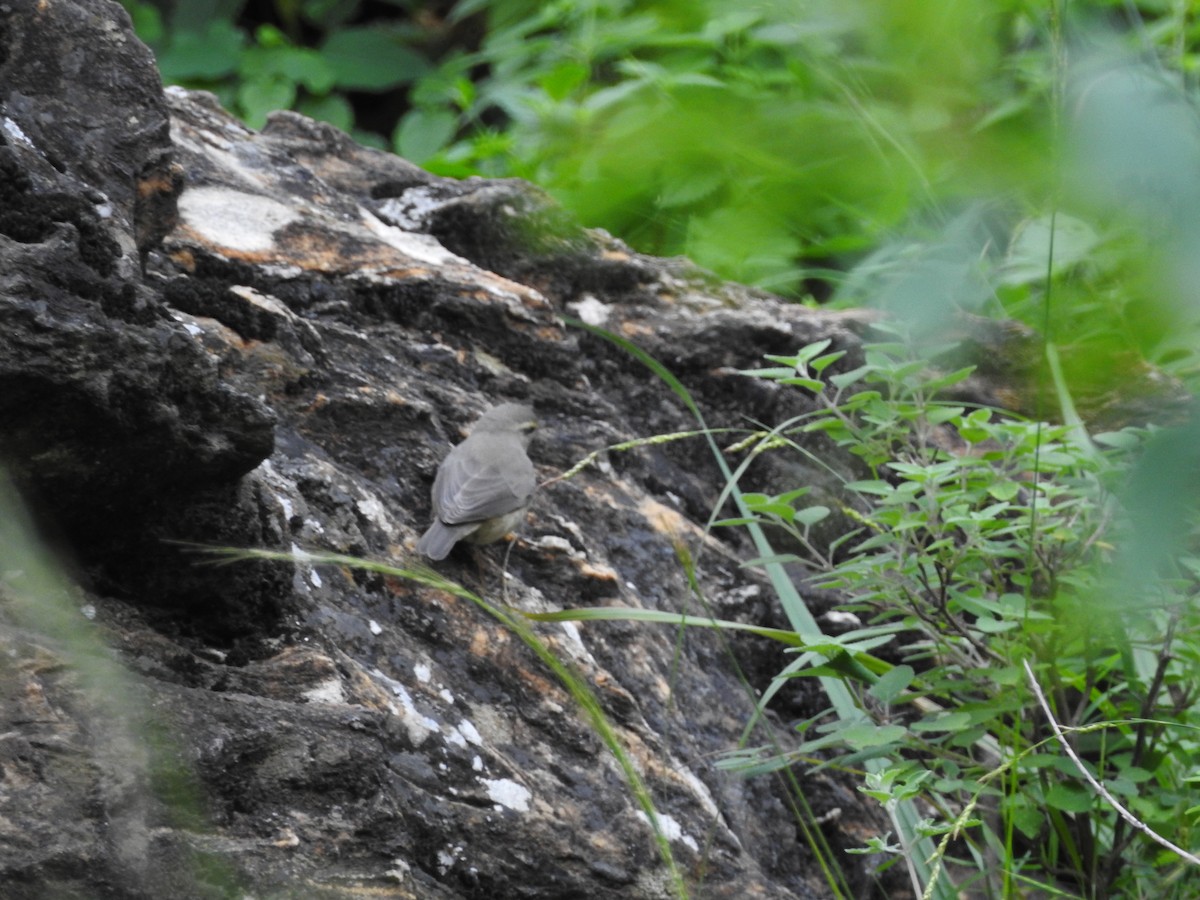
[(214, 336)]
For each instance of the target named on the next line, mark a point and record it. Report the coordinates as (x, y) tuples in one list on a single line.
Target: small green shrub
[(983, 541)]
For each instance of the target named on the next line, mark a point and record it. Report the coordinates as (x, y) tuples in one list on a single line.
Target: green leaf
[(1137, 775), (837, 661), (1004, 490), (1030, 250), (564, 78), (1119, 440), (1069, 798), (988, 625), (878, 487), (811, 515), (821, 363), (263, 96), (207, 55), (771, 372), (1007, 676), (729, 523), (297, 65), (933, 385), (973, 434), (899, 373), (865, 735), (333, 108), (147, 21), (944, 722), (809, 383), (371, 59), (878, 846), (794, 494), (845, 379), (689, 186), (937, 414), (423, 132), (966, 737), (268, 37), (811, 351), (1025, 816), (778, 510), (890, 685)]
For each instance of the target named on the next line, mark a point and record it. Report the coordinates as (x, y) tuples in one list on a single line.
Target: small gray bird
[(483, 486)]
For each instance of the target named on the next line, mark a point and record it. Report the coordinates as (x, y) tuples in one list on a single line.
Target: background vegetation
[(1029, 159)]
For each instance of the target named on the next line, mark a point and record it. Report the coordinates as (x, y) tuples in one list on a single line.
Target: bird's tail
[(439, 540)]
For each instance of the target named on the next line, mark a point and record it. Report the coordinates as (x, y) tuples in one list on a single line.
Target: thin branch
[(1096, 785)]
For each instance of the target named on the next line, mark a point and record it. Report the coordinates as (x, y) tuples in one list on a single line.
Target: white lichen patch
[(264, 302), (672, 830), (506, 793), (418, 726), (575, 640), (590, 310), (411, 210), (447, 857), (552, 543), (700, 789), (372, 509), (236, 220), (326, 692), (470, 732), (421, 247), (13, 130)]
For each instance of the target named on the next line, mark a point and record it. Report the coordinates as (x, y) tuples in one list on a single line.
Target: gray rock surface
[(210, 335), (214, 336)]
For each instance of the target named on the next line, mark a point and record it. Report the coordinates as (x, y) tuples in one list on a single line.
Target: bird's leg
[(504, 570)]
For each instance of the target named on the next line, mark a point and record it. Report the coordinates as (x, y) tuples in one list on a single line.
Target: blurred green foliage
[(777, 143), (754, 138)]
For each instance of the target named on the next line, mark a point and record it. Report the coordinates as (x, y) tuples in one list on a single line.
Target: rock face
[(210, 335)]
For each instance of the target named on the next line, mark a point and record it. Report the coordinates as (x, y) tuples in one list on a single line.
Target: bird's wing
[(468, 489)]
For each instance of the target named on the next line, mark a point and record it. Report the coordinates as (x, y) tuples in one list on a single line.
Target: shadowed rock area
[(214, 336)]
